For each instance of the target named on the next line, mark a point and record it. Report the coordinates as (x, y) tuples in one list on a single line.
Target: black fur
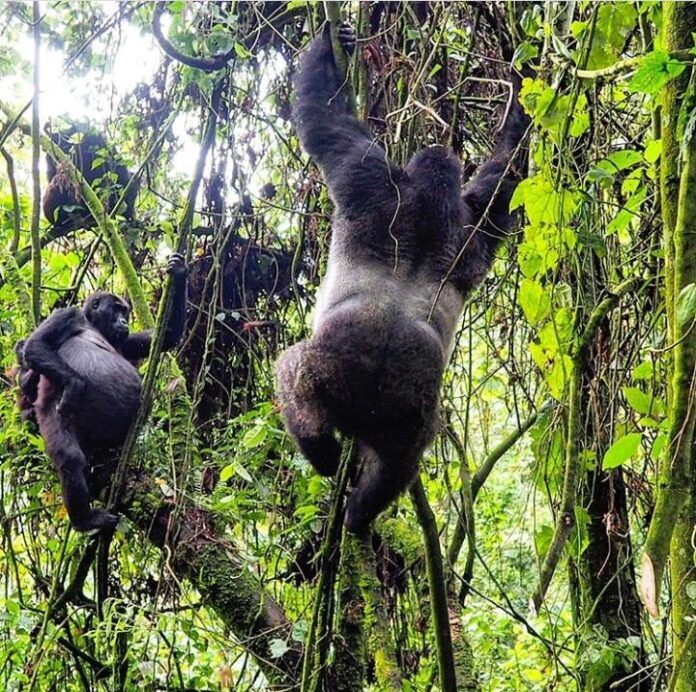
[(406, 248), (79, 382), (62, 202)]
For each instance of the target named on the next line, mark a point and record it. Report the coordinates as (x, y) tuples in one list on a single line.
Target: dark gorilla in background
[(99, 164), (407, 247)]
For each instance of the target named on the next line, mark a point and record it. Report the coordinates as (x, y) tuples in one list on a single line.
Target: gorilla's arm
[(137, 345), (40, 352), (28, 379), (487, 202), (357, 170), (28, 382)]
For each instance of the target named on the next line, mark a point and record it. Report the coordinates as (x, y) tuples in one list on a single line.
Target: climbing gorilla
[(97, 162), (79, 382), (407, 247)]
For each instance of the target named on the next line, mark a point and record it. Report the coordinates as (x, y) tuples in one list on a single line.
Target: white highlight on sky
[(135, 61), (93, 96)]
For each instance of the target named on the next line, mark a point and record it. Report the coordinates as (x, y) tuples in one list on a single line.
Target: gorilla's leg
[(305, 417), (63, 447), (382, 479)]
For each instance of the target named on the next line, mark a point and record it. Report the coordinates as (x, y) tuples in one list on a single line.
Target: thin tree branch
[(35, 176), (16, 208), (622, 66)]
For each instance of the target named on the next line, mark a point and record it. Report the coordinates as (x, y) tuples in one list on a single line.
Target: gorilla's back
[(378, 292)]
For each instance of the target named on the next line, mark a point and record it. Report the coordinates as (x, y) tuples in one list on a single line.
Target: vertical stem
[(16, 209), (315, 648), (349, 663), (333, 14), (207, 141), (438, 588), (36, 182), (566, 515)]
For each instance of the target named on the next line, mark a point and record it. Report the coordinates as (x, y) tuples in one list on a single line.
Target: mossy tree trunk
[(679, 28), (675, 511), (674, 517), (198, 552)]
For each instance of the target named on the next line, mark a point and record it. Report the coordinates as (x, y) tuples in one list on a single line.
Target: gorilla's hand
[(176, 266), (71, 400), (346, 35), (96, 520)]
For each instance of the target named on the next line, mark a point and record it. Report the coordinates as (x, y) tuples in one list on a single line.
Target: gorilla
[(79, 382), (62, 204), (407, 246)]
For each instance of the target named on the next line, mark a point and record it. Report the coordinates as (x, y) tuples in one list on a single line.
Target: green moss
[(363, 608)]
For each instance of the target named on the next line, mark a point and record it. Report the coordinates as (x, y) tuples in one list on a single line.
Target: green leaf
[(243, 473), (685, 309), (557, 378), (644, 371), (658, 446), (691, 590), (643, 403), (624, 159), (560, 47), (615, 21), (254, 437), (545, 202), (653, 150), (534, 676), (306, 512), (605, 170), (534, 301), (552, 112), (542, 539), (579, 538), (524, 52), (241, 50), (532, 20), (656, 69), (227, 472), (539, 355), (621, 451), (628, 214)]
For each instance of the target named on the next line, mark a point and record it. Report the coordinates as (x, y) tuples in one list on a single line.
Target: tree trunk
[(674, 510)]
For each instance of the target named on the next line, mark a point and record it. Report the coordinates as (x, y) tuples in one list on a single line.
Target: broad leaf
[(534, 301), (621, 451), (685, 309), (656, 69)]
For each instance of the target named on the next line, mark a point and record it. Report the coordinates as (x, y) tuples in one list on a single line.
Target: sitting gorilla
[(62, 203), (79, 383), (407, 247)]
